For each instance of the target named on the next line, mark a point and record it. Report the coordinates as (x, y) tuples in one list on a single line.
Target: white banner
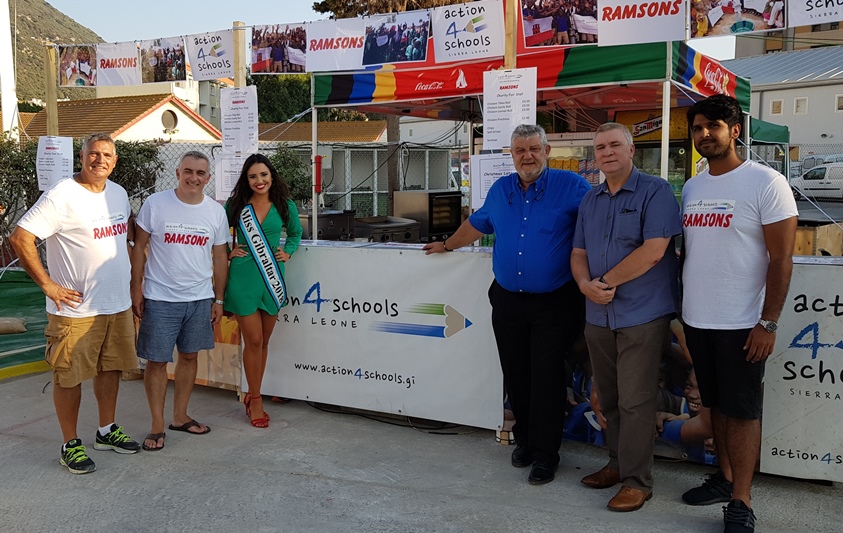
[(585, 24), (509, 99), (633, 21), (335, 45), (486, 169), (412, 336), (53, 161), (474, 30), (211, 55), (810, 12), (239, 119), (801, 434), (119, 64), (538, 31)]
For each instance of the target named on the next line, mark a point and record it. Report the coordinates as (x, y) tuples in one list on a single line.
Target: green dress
[(246, 291)]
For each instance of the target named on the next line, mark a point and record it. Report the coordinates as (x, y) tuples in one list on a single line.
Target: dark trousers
[(533, 331), (625, 363)]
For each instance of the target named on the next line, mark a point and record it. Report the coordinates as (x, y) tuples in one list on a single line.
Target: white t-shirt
[(86, 245), (725, 270), (179, 267)]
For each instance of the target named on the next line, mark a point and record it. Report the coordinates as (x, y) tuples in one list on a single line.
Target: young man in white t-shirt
[(739, 219), (177, 289), (90, 330)]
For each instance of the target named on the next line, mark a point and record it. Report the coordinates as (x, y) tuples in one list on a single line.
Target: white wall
[(150, 127), (821, 118), (426, 131)]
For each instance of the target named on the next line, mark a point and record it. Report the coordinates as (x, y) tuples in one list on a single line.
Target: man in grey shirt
[(624, 262)]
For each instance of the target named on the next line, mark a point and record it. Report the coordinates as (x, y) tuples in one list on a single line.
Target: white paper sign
[(509, 99), (473, 30), (422, 349), (334, 45), (119, 64), (239, 119), (54, 161), (801, 433), (227, 170), (486, 169), (211, 55), (630, 21)]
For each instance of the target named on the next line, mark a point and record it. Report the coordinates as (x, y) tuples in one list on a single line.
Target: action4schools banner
[(468, 31), (810, 12), (211, 55)]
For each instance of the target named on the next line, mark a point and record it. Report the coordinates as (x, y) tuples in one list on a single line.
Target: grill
[(387, 229)]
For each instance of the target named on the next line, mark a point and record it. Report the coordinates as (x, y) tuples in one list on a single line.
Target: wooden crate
[(810, 239)]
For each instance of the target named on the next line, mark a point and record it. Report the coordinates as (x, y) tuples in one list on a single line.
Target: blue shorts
[(165, 325)]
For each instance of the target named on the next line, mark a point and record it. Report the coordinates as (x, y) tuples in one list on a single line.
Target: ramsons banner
[(636, 21), (119, 64), (474, 30), (211, 55), (801, 434), (411, 337), (335, 45)]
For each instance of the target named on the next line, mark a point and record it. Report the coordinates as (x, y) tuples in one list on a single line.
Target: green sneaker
[(116, 440), (73, 456)]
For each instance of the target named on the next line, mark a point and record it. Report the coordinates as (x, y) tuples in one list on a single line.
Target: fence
[(355, 178)]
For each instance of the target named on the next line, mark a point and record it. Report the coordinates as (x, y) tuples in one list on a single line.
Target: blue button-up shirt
[(533, 229), (610, 227)]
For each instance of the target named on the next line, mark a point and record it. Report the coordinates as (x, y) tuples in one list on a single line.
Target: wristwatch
[(219, 302), (769, 325)]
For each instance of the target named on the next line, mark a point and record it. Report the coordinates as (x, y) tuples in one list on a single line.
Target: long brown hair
[(279, 191)]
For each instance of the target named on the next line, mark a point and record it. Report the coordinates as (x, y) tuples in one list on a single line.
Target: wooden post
[(239, 54), (511, 33), (51, 86)]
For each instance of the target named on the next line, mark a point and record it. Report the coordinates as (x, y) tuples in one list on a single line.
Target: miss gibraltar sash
[(261, 251)]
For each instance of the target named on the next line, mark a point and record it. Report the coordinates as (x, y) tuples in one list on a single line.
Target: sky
[(169, 18)]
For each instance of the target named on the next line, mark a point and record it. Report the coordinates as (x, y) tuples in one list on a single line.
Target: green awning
[(766, 132)]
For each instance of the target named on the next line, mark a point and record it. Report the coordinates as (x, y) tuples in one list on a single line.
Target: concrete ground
[(326, 472)]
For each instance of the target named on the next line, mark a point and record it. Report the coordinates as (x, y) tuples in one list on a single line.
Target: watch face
[(769, 325)]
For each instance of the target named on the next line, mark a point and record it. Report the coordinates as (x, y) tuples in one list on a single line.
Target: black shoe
[(73, 456), (521, 456), (715, 489), (738, 518), (541, 473)]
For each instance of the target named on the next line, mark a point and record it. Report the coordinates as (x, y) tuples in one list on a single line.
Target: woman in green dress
[(264, 194)]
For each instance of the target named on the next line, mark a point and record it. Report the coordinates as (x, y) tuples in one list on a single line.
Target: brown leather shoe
[(602, 479), (629, 499)]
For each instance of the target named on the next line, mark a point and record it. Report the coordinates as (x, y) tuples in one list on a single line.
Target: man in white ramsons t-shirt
[(739, 220), (90, 330), (177, 289)]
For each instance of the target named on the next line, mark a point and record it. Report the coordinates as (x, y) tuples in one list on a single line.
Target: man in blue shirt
[(625, 263), (536, 307)]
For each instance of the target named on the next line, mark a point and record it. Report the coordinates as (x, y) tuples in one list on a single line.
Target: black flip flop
[(192, 424), (155, 437)]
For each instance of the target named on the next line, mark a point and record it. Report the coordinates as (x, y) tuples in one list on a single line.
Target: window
[(776, 107), (800, 106), (838, 103), (815, 174), (213, 111)]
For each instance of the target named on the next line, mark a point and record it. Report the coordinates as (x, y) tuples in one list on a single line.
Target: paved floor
[(326, 472)]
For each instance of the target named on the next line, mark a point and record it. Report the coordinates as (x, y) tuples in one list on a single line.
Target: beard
[(715, 150)]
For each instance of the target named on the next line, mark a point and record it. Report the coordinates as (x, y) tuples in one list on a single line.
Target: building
[(790, 39)]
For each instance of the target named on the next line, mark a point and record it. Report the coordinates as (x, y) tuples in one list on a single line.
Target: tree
[(280, 98), (354, 8)]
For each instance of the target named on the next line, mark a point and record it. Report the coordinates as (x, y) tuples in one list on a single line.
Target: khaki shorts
[(80, 348)]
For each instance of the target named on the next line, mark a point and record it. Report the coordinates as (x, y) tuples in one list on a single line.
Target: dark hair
[(716, 107), (279, 192)]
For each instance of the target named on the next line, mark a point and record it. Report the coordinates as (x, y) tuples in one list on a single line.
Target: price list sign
[(239, 119), (54, 161), (509, 99)]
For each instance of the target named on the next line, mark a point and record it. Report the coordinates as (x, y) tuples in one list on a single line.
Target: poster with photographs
[(279, 49), (396, 38), (163, 60), (77, 66), (555, 22), (713, 18)]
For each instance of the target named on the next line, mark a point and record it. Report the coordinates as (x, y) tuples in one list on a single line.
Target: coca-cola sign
[(432, 86), (716, 78)]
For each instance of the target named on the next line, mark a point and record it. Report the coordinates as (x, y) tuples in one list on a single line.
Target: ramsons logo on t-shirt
[(708, 213), (109, 225), (189, 234)]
